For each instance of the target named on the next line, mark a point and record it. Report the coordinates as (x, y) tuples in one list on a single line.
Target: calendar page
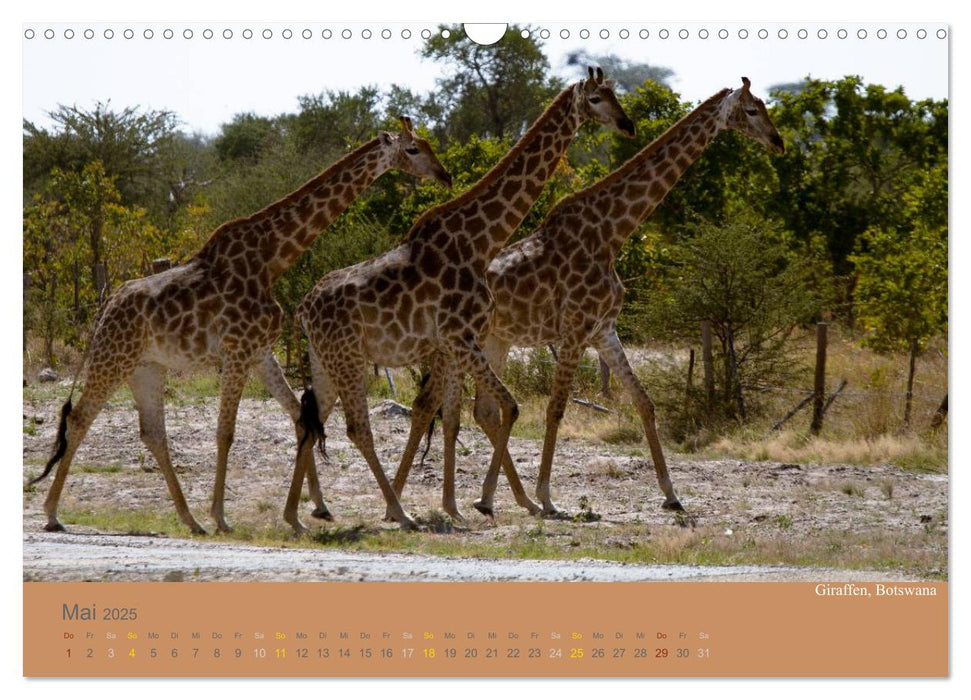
[(535, 349)]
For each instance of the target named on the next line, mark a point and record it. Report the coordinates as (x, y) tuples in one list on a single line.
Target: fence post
[(909, 400), (735, 379), (708, 364), (819, 387), (691, 371)]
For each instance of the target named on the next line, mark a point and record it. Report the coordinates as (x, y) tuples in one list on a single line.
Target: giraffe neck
[(278, 234), (630, 194), (487, 214)]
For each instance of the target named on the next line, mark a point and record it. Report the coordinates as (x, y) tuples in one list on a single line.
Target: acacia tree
[(79, 223), (46, 234), (492, 91), (746, 280), (901, 292), (245, 137), (138, 148), (852, 151), (87, 196), (335, 121)]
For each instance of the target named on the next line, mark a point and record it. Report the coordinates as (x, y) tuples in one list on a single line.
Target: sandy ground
[(729, 498)]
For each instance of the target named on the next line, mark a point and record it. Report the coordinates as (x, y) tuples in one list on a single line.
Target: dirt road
[(95, 556)]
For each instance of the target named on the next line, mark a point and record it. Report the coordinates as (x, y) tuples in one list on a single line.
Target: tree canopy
[(493, 91), (853, 215)]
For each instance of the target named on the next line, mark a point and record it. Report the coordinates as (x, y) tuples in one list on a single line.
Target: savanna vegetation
[(849, 226)]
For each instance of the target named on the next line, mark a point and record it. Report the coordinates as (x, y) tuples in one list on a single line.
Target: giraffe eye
[(594, 99), (411, 151), (751, 112)]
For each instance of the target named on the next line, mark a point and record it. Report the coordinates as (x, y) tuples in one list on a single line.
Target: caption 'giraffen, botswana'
[(429, 296), (559, 286), (218, 309)]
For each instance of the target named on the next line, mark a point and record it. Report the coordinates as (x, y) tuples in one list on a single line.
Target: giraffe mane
[(494, 172), (636, 159), (286, 201)]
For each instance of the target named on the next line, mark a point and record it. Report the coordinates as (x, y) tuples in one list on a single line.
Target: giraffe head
[(412, 154), (747, 115), (600, 103)]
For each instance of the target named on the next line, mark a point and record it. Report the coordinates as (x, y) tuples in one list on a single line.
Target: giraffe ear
[(386, 138), (610, 83)]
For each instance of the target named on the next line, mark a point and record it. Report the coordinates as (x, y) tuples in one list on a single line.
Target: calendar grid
[(484, 629)]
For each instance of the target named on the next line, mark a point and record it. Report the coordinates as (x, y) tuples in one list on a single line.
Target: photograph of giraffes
[(697, 327)]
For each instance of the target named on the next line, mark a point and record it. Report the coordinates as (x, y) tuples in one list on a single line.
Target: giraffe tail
[(431, 425), (310, 422), (428, 439), (60, 444)]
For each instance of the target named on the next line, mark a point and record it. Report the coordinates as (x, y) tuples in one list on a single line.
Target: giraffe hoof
[(322, 513), (486, 510), (407, 523), (456, 516), (532, 508), (673, 505), (553, 513), (54, 527), (198, 530), (293, 521)]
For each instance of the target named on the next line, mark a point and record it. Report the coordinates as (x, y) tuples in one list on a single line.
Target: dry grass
[(922, 554), (863, 426), (919, 452)]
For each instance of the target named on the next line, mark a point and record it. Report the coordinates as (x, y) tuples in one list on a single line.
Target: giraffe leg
[(351, 388), (423, 410), (148, 387), (489, 418), (233, 380), (470, 359), (613, 354), (450, 430), (272, 375), (566, 368), (487, 415), (96, 392), (326, 396)]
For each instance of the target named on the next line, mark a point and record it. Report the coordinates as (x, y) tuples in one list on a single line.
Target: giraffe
[(218, 309), (559, 285), (429, 297)]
